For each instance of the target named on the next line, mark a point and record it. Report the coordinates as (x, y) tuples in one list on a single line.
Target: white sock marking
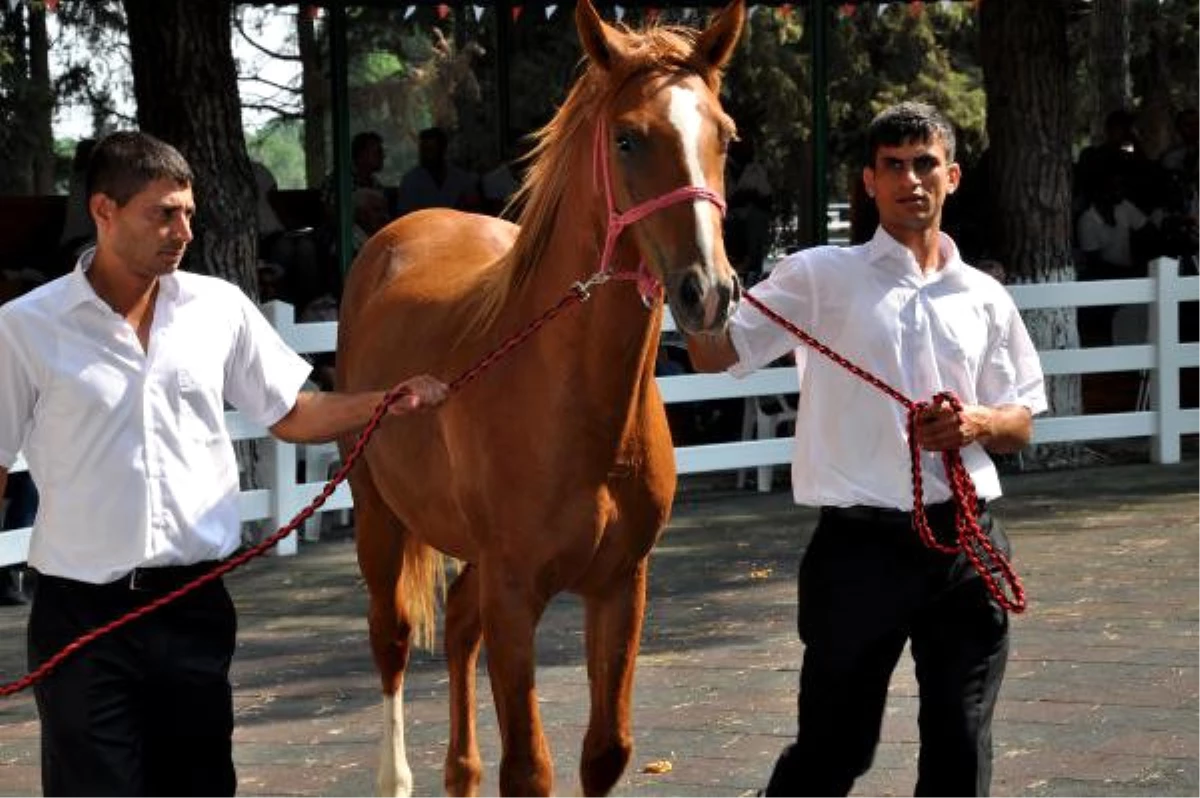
[(395, 776)]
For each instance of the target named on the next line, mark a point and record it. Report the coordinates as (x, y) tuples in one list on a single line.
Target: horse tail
[(422, 588)]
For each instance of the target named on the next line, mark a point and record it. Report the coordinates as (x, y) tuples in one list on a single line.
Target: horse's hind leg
[(464, 768), (511, 610), (380, 540), (614, 630)]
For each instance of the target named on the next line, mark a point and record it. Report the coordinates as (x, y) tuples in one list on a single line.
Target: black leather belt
[(152, 579), (864, 514)]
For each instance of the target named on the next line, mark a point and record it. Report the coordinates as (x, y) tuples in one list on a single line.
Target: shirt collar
[(891, 254), (80, 290)]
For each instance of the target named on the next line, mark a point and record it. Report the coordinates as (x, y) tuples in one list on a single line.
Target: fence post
[(282, 473), (1164, 386)]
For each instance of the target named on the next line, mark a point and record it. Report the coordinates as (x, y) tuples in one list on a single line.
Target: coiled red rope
[(971, 539), (578, 293)]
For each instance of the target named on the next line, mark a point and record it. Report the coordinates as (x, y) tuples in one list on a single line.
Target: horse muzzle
[(702, 301)]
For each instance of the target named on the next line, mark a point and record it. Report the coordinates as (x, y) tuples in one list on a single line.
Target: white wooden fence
[(1161, 357)]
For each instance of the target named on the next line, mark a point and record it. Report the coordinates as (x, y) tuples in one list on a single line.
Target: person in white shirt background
[(113, 382), (906, 308), (435, 182)]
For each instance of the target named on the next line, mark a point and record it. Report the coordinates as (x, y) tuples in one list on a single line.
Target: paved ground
[(1101, 696)]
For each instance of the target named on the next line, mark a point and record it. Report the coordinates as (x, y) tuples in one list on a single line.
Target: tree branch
[(275, 109), (237, 22), (273, 84)]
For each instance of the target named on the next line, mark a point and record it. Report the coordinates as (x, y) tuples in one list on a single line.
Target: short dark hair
[(908, 121), (361, 141), (434, 134), (123, 163)]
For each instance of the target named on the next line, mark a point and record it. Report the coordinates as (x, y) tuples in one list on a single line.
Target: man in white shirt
[(1106, 231), (113, 381), (906, 308), (435, 182)]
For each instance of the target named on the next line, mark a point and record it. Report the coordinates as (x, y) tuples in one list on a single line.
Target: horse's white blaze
[(395, 776), (684, 113)]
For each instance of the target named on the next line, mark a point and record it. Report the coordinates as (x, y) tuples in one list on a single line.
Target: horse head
[(661, 140)]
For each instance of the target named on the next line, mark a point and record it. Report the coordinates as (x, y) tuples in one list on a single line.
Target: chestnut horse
[(554, 470)]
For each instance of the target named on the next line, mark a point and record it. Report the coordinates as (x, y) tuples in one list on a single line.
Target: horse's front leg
[(614, 630), (464, 767), (511, 610)]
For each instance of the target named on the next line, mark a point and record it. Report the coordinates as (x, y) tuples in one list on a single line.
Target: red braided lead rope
[(971, 539), (578, 293)]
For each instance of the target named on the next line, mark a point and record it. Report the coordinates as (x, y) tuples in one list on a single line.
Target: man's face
[(371, 158), (431, 152), (149, 234), (910, 183)]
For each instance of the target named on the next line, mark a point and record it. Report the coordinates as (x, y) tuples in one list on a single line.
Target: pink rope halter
[(648, 285)]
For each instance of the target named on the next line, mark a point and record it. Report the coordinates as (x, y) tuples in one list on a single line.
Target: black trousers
[(866, 586), (144, 710)]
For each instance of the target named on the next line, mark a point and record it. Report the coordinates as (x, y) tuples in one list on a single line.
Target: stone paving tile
[(1101, 696)]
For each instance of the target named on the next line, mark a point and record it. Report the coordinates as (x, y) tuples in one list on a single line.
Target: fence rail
[(1160, 358)]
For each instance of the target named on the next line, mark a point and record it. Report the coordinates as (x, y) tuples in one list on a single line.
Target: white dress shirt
[(128, 448), (955, 329)]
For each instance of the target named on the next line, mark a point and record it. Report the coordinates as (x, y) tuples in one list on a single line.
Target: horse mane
[(663, 49)]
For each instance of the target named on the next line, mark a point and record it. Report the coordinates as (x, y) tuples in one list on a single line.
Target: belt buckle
[(135, 582)]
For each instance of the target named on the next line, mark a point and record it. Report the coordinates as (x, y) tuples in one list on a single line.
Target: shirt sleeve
[(1012, 374), (789, 291), (263, 375), (18, 393), (1137, 219), (1090, 235)]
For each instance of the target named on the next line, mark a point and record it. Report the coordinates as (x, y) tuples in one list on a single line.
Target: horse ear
[(715, 45), (601, 41)]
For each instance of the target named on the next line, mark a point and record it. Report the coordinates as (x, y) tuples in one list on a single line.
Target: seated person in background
[(366, 159), (287, 259), (435, 182), (1106, 232), (1187, 125), (370, 214)]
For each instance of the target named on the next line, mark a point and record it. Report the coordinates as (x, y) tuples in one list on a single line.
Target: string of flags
[(651, 14)]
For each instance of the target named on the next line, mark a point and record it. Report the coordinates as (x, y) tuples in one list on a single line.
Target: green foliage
[(874, 60), (279, 146), (879, 60)]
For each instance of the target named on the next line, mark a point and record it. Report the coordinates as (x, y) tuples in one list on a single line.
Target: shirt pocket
[(201, 413)]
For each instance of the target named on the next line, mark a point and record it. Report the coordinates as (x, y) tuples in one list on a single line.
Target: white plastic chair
[(758, 422), (317, 462)]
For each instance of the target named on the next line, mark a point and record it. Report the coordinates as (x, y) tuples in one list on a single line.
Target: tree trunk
[(315, 94), (16, 174), (41, 102), (1110, 60), (185, 83), (1023, 49)]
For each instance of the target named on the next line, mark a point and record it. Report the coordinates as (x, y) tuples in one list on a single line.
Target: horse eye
[(625, 142)]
